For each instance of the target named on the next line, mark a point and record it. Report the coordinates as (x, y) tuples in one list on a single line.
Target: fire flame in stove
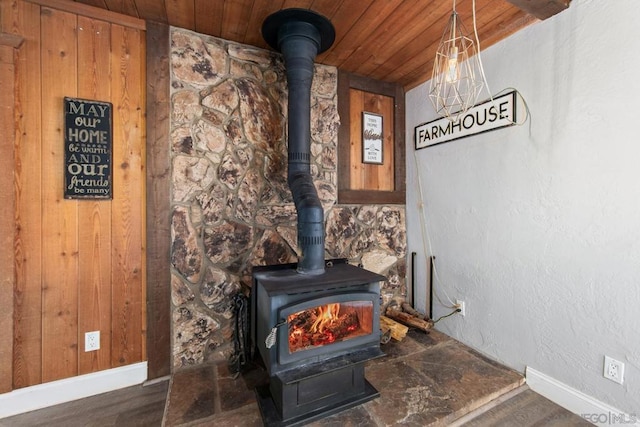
[(326, 315), (321, 325)]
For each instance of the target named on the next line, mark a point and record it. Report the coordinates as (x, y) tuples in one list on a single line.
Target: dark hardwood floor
[(132, 406), (522, 407)]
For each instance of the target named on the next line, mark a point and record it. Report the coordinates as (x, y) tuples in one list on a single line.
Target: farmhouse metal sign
[(490, 115), (88, 149)]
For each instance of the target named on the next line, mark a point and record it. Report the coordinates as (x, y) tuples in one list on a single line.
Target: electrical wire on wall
[(457, 310), (426, 239)]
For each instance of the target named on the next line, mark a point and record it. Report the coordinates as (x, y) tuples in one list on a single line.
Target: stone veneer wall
[(231, 206)]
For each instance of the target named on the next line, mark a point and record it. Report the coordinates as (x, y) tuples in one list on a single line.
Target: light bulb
[(452, 73)]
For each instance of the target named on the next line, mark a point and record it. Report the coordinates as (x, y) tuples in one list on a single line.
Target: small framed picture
[(372, 138)]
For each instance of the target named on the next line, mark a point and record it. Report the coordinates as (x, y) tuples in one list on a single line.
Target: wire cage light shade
[(456, 80)]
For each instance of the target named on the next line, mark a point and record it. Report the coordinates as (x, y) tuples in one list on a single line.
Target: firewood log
[(398, 330), (409, 320), (406, 307)]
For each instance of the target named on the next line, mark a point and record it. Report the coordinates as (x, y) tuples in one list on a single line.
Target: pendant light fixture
[(457, 79)]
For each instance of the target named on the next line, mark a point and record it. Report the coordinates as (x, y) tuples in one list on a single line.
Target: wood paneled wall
[(370, 183), (79, 264), (8, 44), (365, 176), (158, 201)]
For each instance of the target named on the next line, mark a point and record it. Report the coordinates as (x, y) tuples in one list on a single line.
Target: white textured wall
[(537, 227)]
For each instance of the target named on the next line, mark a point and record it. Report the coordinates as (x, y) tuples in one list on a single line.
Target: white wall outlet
[(92, 341), (460, 304), (613, 369)]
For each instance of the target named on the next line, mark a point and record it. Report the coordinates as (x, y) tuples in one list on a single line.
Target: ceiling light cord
[(475, 33), (427, 247), (457, 310), (484, 76), (426, 239)]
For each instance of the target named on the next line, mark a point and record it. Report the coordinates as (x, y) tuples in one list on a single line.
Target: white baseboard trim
[(56, 392), (594, 411)]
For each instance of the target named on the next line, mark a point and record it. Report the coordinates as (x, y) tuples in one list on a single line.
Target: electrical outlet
[(92, 341), (613, 369), (460, 304)]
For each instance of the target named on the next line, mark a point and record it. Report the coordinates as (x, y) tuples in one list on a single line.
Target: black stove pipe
[(301, 34)]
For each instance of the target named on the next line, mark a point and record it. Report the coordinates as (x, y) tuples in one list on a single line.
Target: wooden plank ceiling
[(389, 40)]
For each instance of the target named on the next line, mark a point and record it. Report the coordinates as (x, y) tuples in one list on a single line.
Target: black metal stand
[(271, 418), (309, 393)]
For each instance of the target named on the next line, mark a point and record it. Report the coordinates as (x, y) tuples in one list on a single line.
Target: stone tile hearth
[(425, 380)]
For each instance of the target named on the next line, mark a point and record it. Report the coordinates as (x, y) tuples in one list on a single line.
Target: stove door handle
[(271, 338)]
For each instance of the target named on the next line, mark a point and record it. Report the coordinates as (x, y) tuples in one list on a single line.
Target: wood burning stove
[(314, 334), (314, 325)]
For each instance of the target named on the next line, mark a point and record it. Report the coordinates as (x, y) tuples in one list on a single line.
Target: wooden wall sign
[(88, 149), (487, 116), (372, 138)]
